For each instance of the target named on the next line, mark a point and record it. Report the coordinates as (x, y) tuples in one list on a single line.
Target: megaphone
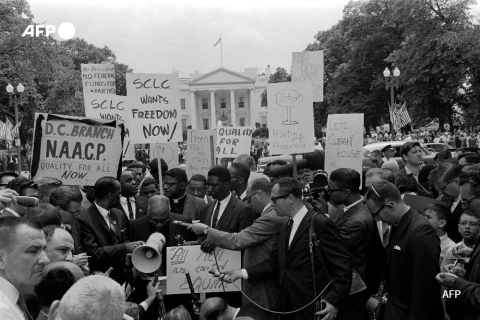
[(148, 258)]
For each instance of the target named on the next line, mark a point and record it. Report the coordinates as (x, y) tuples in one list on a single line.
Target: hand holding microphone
[(7, 196)]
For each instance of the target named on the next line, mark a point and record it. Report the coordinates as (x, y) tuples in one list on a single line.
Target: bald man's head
[(213, 308), (70, 266), (159, 207)]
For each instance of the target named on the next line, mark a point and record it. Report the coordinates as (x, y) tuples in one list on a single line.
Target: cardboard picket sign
[(98, 78), (168, 152), (344, 142), (198, 154), (233, 141), (308, 66), (76, 150), (153, 108), (290, 118), (110, 107), (197, 263)]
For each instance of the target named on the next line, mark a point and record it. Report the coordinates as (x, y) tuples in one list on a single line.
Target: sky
[(159, 36)]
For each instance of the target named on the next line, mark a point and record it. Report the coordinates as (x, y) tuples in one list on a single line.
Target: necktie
[(289, 232), (23, 307), (112, 228), (130, 210), (215, 215)]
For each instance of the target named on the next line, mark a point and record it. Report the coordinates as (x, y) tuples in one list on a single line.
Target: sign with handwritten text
[(153, 108), (76, 150), (344, 142), (98, 78), (199, 155), (308, 66), (232, 141), (193, 260), (290, 118), (110, 107), (168, 152)]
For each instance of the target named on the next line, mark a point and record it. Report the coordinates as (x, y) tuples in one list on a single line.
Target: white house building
[(234, 98)]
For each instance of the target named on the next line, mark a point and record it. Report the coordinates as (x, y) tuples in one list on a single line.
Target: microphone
[(27, 201), (181, 223), (180, 240)]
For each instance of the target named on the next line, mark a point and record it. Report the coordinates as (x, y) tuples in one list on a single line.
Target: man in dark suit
[(240, 174), (411, 153), (467, 281), (356, 227), (259, 241), (160, 219), (175, 187), (227, 213), (133, 205), (446, 180), (413, 254), (104, 230), (292, 260)]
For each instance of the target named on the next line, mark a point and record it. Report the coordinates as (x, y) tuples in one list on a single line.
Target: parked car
[(367, 150), (436, 147)]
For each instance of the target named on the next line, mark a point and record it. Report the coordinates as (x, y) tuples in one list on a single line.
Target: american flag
[(399, 116), (9, 128), (3, 130), (15, 131)]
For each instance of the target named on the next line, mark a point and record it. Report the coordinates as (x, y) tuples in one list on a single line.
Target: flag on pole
[(3, 130), (402, 116), (9, 128), (15, 130), (219, 41)]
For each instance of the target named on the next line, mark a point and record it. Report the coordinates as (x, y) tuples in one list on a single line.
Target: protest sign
[(290, 118), (98, 78), (199, 155), (344, 142), (168, 152), (232, 141), (110, 107), (308, 66), (193, 260), (153, 108), (76, 150)]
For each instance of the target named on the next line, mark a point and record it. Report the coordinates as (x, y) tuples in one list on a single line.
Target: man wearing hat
[(389, 153)]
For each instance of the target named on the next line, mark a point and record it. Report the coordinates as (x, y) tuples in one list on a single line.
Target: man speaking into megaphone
[(159, 219)]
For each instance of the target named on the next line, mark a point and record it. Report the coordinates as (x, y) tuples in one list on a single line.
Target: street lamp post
[(16, 99), (391, 82)]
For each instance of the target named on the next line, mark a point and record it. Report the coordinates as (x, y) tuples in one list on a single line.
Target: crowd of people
[(405, 237)]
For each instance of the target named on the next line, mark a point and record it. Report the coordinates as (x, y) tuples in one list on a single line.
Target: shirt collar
[(236, 312), (445, 236), (103, 212), (300, 215), (345, 209), (123, 199), (225, 201), (408, 171), (244, 194), (9, 290), (266, 207), (12, 212), (178, 200)]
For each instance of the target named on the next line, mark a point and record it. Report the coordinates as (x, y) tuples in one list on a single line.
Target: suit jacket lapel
[(344, 215), (400, 229), (302, 228), (100, 220), (139, 206), (230, 207)]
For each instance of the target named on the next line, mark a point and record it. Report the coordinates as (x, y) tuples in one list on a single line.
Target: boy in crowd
[(437, 215), (469, 228)]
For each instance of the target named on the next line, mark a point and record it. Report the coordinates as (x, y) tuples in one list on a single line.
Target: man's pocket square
[(397, 248)]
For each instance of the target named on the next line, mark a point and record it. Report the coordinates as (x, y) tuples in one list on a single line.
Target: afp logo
[(65, 31)]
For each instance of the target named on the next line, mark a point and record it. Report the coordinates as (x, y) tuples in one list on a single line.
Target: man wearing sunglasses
[(413, 255), (292, 262), (466, 280), (259, 241)]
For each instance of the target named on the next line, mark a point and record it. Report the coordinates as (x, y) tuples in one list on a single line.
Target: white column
[(252, 107), (232, 107), (213, 118), (193, 110)]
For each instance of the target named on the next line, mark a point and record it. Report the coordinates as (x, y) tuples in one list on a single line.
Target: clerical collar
[(178, 200)]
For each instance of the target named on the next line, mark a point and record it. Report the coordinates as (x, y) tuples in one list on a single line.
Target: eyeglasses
[(330, 190), (442, 189), (467, 203), (160, 221), (169, 184), (236, 177), (75, 212), (248, 199), (274, 199), (465, 223)]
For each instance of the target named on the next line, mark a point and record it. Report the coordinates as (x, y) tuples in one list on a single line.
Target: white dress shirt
[(223, 205), (104, 213), (123, 202), (11, 211), (9, 309), (455, 203), (345, 209), (297, 219)]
